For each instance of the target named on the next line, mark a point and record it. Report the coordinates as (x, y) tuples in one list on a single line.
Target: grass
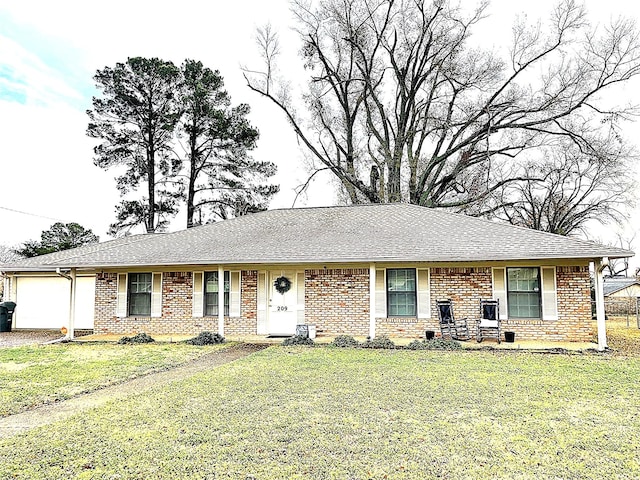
[(329, 413), (36, 375), (622, 339)]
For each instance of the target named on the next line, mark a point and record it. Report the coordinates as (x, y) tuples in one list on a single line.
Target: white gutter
[(599, 266), (72, 301)]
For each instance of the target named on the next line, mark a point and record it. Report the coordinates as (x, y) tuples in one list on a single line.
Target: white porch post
[(221, 300), (72, 305), (372, 300), (599, 265)]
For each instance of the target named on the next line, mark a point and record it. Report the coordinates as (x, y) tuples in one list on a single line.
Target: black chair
[(488, 325), (449, 326)]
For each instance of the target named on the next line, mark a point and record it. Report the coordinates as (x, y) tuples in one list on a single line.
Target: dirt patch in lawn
[(47, 414)]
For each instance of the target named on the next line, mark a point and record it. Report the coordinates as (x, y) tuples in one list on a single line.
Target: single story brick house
[(621, 295), (621, 287), (362, 270)]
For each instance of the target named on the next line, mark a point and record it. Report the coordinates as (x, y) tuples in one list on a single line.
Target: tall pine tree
[(147, 106), (223, 180), (136, 119)]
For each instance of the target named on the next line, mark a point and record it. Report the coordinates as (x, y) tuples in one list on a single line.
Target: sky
[(49, 52)]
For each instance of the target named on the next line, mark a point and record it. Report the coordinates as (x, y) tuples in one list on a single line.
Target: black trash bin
[(5, 325), (509, 337), (6, 315)]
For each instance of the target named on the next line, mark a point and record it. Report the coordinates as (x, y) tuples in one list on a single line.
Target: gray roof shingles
[(362, 233), (613, 285)]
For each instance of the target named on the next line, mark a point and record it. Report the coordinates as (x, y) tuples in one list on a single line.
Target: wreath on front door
[(282, 284)]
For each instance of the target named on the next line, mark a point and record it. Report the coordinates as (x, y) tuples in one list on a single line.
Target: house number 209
[(282, 308)]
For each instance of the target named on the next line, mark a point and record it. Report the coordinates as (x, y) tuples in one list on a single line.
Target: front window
[(523, 292), (140, 294), (401, 292), (211, 293)]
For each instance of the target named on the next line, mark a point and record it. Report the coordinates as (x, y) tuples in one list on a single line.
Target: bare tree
[(8, 254), (400, 106), (620, 266), (567, 189)]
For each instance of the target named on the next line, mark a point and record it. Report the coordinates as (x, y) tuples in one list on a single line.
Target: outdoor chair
[(456, 329), (488, 325)]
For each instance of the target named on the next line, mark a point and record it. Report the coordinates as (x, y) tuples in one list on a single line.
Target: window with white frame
[(401, 292), (139, 288), (211, 288), (523, 292)]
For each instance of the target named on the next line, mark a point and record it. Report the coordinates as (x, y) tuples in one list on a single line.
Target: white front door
[(283, 302)]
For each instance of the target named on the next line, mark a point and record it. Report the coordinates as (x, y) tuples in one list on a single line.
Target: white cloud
[(29, 80)]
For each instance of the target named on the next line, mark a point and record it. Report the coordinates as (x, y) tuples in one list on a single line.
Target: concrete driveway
[(28, 337)]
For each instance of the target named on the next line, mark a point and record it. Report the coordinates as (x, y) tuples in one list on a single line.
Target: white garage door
[(43, 302)]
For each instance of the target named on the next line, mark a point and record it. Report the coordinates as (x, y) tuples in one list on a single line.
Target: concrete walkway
[(47, 414)]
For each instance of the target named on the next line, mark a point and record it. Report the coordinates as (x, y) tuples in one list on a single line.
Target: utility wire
[(30, 214)]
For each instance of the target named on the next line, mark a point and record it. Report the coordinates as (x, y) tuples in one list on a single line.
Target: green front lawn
[(34, 375), (623, 339), (328, 413)]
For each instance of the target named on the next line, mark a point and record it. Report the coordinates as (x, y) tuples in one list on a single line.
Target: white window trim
[(122, 295), (502, 295), (549, 306), (379, 290), (235, 293)]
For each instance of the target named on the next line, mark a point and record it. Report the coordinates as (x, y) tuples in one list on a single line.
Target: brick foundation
[(407, 327)]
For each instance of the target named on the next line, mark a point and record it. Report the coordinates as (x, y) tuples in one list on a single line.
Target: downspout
[(6, 294), (72, 301), (599, 266)]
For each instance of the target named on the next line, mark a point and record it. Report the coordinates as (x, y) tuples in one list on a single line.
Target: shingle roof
[(362, 233), (613, 285)]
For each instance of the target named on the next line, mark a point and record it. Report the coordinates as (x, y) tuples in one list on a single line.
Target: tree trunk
[(191, 191), (394, 192)]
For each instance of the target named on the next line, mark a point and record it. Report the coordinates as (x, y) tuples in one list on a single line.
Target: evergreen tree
[(136, 119)]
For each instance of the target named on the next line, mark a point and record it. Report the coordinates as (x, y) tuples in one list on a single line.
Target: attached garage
[(43, 302)]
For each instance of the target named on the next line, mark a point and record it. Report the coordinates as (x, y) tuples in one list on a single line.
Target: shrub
[(379, 342), (298, 340), (345, 341), (139, 338), (435, 344), (206, 338)]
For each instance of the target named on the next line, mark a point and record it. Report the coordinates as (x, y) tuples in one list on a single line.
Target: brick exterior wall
[(406, 327), (337, 301), (246, 324), (574, 311), (465, 286), (105, 320), (177, 304)]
